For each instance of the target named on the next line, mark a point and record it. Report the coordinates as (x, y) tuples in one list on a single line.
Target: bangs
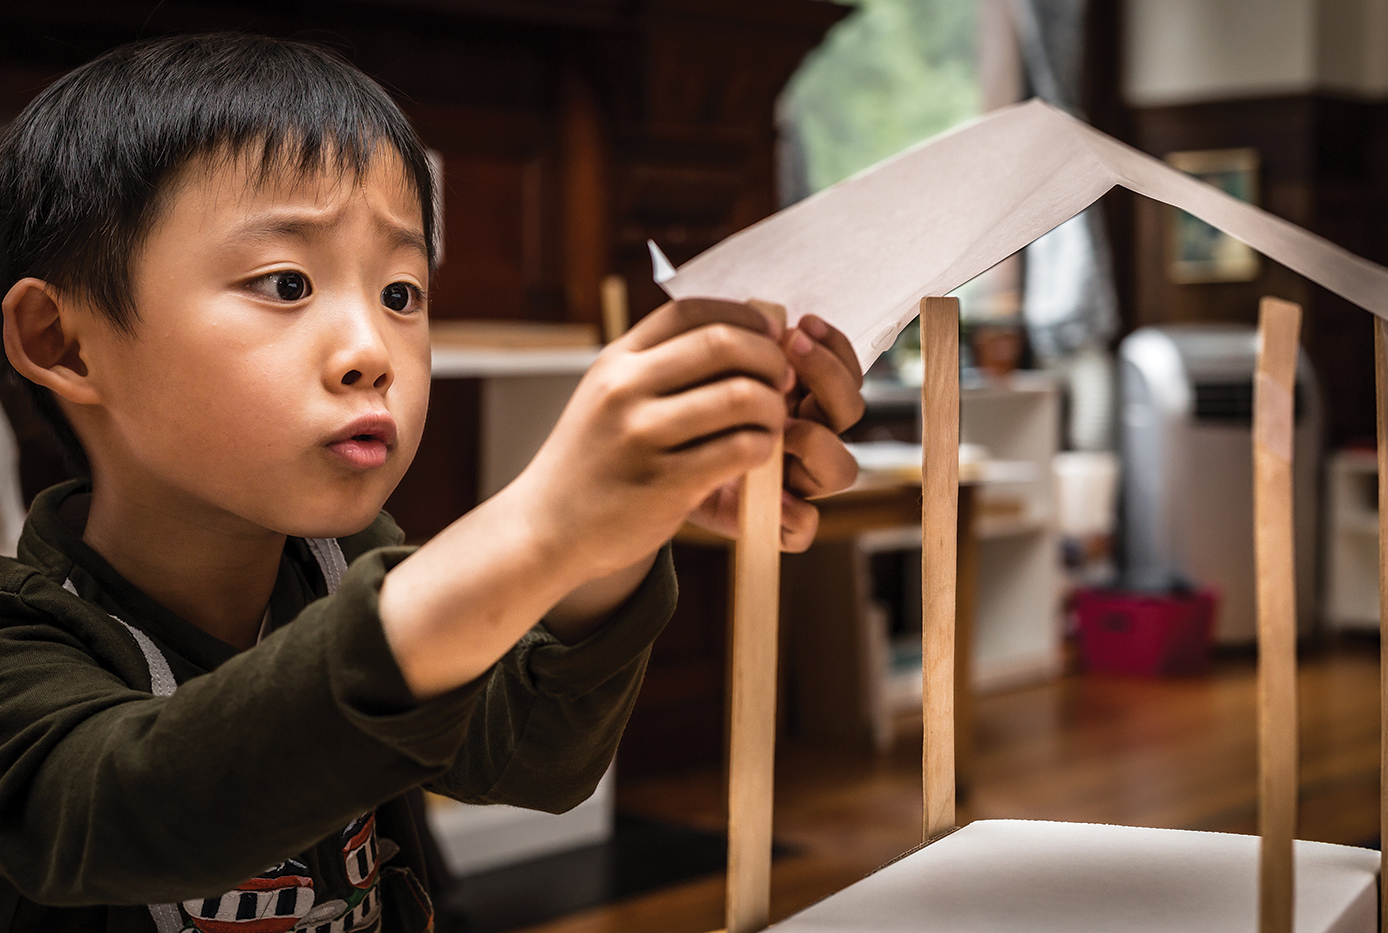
[(90, 157)]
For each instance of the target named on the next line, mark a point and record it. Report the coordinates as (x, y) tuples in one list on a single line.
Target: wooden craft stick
[(752, 726), (939, 527), (616, 315), (1279, 328), (1381, 386)]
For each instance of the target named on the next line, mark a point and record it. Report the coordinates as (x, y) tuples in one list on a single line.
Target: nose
[(360, 357)]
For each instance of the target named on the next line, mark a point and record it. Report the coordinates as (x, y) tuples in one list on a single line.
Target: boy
[(219, 672)]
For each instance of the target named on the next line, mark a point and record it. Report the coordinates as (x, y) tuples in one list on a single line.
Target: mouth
[(365, 443)]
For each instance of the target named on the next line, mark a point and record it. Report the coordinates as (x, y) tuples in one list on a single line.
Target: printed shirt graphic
[(283, 899), (274, 902), (360, 852)]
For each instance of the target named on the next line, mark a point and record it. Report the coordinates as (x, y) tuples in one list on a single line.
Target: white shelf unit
[(1350, 598), (1017, 623), (1017, 635), (523, 393)]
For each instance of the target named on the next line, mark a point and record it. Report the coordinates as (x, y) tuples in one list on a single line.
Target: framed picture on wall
[(1195, 251)]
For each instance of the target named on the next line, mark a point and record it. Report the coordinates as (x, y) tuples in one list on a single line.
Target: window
[(893, 73)]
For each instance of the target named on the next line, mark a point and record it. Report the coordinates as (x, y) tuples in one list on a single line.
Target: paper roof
[(862, 253)]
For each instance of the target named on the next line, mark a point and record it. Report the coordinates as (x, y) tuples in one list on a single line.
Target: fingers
[(824, 332), (738, 403), (828, 372), (718, 513), (817, 463), (799, 522), (677, 317), (709, 352), (723, 458), (704, 386)]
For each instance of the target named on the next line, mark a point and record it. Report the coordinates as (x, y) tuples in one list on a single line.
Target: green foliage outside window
[(892, 73)]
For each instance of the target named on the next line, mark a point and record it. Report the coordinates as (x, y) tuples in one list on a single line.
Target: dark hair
[(83, 167)]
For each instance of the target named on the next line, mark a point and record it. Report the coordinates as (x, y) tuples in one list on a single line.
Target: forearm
[(579, 614), (542, 751), (554, 713), (460, 602)]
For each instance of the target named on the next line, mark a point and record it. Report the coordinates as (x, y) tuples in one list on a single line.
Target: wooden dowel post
[(752, 725), (939, 530), (1273, 431), (616, 313), (1381, 387)]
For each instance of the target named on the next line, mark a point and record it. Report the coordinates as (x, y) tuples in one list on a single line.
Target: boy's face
[(279, 370)]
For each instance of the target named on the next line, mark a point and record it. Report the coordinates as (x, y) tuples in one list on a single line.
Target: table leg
[(965, 603)]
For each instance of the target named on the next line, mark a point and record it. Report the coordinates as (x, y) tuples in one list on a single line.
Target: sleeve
[(553, 714), (111, 796)]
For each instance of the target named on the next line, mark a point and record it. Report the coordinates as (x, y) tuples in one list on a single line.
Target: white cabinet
[(523, 392), (477, 838)]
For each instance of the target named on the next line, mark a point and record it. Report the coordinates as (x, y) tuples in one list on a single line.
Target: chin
[(334, 522)]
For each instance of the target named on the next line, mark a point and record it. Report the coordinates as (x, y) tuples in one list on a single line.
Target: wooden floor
[(1169, 753)]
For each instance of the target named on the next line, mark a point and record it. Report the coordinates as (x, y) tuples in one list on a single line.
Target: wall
[(1184, 50), (1180, 51), (1305, 82), (1352, 46)]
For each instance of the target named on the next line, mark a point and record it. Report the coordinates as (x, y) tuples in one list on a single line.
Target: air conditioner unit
[(1186, 439)]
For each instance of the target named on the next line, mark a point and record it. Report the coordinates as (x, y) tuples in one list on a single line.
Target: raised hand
[(825, 400), (684, 403)]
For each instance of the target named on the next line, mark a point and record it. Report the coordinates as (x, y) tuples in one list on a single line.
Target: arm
[(688, 400), (111, 796), (577, 692), (825, 400), (554, 712), (658, 432)]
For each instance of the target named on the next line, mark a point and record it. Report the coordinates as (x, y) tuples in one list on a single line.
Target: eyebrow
[(404, 237), (270, 229)]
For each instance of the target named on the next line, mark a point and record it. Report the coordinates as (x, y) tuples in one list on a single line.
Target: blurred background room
[(1106, 573)]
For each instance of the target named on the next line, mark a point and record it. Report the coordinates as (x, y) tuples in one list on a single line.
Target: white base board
[(995, 876)]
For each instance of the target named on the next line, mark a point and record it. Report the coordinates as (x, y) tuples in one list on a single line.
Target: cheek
[(409, 403), (200, 404)]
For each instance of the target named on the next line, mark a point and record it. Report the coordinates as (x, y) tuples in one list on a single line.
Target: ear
[(41, 340)]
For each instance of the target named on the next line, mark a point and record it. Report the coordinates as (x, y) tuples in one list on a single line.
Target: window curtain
[(1069, 303)]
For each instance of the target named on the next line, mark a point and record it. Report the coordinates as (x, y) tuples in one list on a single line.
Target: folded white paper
[(861, 254)]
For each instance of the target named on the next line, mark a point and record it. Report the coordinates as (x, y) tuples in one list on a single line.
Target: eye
[(282, 286), (399, 296)]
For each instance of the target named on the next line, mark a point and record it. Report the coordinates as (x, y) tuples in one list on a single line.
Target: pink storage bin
[(1143, 634)]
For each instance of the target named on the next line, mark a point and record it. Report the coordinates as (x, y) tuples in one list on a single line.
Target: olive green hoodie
[(144, 762)]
